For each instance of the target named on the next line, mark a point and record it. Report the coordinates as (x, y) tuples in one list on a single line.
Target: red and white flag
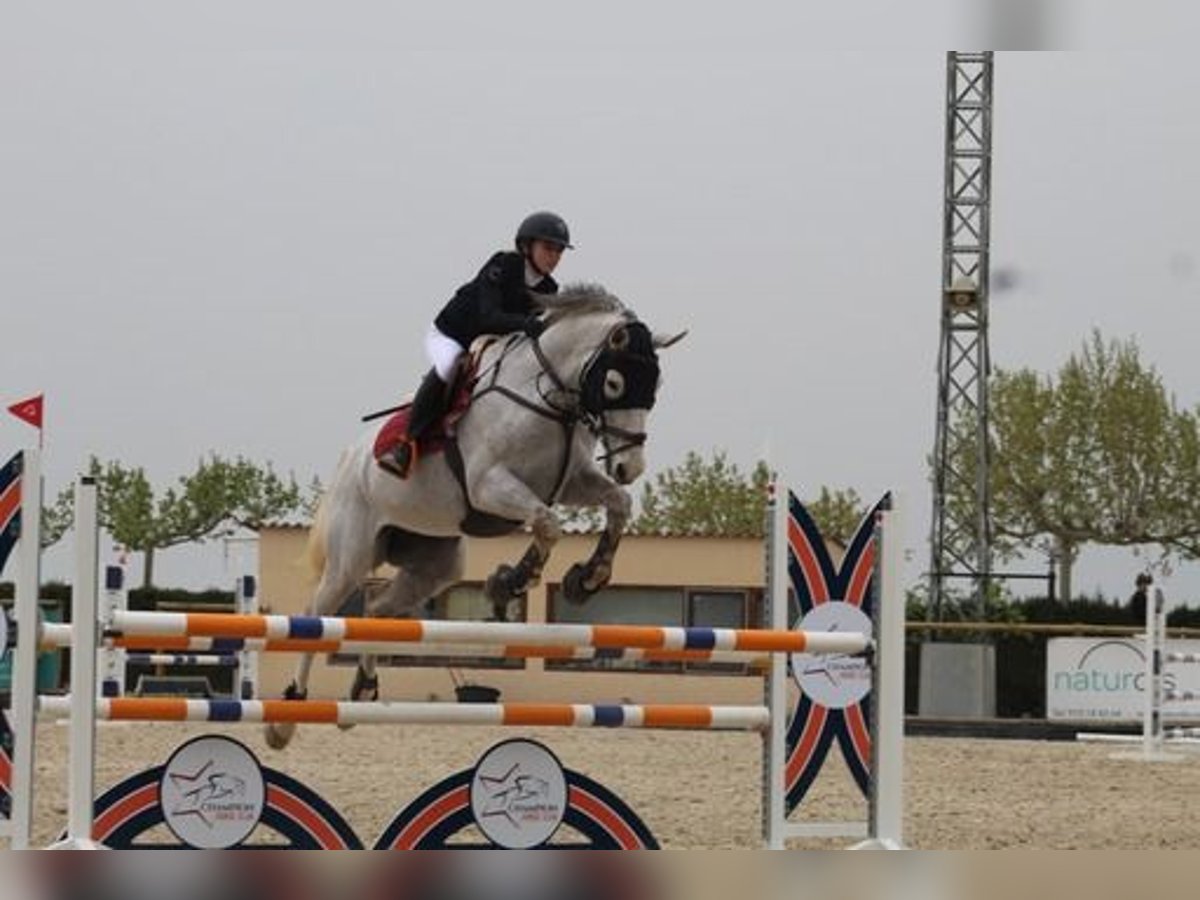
[(29, 411)]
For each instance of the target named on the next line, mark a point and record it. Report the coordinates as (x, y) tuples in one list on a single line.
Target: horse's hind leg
[(366, 682), (350, 557), (425, 567)]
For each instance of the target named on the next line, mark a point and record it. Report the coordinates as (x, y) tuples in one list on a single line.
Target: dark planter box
[(476, 693)]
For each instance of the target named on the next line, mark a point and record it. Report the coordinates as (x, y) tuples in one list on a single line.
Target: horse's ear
[(663, 341)]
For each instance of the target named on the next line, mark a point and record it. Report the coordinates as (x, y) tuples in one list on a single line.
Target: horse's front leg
[(592, 487), (501, 493)]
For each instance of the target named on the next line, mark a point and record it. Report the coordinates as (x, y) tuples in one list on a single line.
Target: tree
[(312, 498), (715, 497), (1102, 455), (57, 517), (699, 497), (837, 513), (219, 494), (256, 495)]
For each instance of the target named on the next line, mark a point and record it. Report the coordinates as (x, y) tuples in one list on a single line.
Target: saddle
[(440, 433)]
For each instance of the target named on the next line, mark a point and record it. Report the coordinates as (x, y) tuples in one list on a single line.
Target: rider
[(497, 301)]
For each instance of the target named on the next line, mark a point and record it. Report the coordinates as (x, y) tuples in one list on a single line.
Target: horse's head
[(614, 361)]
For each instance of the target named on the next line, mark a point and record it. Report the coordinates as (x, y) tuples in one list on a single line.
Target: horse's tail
[(314, 552)]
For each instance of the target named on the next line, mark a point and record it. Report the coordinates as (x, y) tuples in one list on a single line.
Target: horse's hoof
[(364, 690), (573, 588), (504, 585), (279, 734)]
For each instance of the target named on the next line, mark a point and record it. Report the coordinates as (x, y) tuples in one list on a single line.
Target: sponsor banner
[(1104, 679)]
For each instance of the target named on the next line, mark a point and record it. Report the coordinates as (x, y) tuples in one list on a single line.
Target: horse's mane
[(579, 298)]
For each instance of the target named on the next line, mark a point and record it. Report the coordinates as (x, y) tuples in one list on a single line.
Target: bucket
[(476, 693)]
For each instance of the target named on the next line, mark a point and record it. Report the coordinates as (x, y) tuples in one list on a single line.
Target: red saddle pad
[(434, 439)]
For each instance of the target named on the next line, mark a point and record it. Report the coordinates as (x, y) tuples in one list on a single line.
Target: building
[(706, 581)]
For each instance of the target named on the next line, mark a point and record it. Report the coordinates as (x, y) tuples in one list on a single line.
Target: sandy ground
[(701, 790)]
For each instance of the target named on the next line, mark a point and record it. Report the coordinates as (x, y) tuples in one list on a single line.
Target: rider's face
[(545, 256)]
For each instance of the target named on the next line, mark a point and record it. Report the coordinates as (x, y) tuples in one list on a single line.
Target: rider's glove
[(534, 326)]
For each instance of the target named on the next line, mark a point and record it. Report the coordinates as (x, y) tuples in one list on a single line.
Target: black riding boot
[(427, 407)]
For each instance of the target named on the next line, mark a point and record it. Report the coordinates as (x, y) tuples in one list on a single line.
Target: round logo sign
[(833, 680), (212, 792), (518, 794)]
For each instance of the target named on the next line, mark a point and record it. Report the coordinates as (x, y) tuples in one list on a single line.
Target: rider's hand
[(534, 326)]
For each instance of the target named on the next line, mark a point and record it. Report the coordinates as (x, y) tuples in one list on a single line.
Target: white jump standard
[(1156, 737), (115, 656)]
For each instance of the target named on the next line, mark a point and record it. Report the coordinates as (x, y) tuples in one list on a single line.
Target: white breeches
[(443, 352)]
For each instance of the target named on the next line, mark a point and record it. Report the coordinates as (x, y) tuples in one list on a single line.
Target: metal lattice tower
[(961, 538)]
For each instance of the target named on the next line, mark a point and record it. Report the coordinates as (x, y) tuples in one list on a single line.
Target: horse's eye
[(614, 385), (619, 340)]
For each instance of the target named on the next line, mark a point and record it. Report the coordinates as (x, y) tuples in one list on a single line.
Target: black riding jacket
[(497, 301)]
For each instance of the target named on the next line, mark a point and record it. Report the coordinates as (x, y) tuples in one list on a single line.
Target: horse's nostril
[(620, 472)]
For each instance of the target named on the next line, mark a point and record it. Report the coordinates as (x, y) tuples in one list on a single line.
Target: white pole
[(246, 600), (24, 671), (887, 695), (775, 598), (116, 599), (1153, 743), (82, 736)]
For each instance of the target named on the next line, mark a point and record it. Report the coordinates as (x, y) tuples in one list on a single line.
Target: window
[(463, 602), (624, 606), (717, 609)]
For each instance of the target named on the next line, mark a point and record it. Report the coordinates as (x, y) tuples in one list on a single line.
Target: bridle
[(585, 402)]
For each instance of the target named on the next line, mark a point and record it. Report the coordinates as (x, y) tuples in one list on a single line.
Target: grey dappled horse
[(527, 441)]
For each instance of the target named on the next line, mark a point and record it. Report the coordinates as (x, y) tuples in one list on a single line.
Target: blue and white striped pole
[(246, 603), (116, 599)]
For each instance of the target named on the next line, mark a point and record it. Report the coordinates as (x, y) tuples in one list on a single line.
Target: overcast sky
[(227, 229)]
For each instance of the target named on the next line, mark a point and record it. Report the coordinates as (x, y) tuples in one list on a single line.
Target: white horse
[(528, 441)]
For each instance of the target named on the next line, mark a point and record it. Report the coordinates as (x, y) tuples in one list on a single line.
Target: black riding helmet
[(544, 226)]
